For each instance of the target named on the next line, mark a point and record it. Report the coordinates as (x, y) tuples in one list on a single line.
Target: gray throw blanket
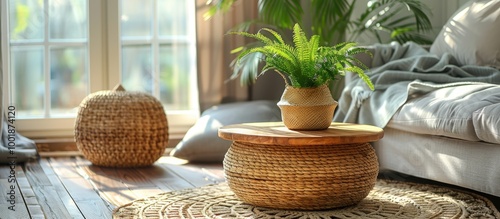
[(15, 148), (400, 72)]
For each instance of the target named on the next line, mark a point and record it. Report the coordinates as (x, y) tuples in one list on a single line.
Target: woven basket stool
[(121, 129), (269, 165)]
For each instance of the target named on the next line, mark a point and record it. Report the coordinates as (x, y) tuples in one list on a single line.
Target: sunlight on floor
[(171, 160)]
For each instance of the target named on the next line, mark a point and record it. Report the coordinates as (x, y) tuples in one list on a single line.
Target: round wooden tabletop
[(275, 133)]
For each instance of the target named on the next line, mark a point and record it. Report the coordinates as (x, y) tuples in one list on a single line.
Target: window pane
[(68, 78), (26, 19), (160, 63), (137, 71), (27, 80), (172, 17), (136, 18), (68, 19), (174, 76)]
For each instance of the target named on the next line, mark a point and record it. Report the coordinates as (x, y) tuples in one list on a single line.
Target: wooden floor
[(71, 187)]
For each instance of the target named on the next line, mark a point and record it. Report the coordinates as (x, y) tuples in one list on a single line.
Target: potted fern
[(307, 68)]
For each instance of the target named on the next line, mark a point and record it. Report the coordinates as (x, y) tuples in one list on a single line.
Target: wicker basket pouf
[(121, 129)]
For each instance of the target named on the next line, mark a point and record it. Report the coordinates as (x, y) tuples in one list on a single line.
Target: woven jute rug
[(389, 199)]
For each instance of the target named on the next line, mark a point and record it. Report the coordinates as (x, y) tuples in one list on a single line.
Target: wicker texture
[(301, 177), (307, 108), (121, 129), (388, 199)]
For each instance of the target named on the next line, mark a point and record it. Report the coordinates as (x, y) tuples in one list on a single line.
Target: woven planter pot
[(121, 129), (307, 108)]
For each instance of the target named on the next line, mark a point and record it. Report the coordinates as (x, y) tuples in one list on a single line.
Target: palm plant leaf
[(411, 36), (419, 10), (247, 68), (221, 5), (243, 26), (400, 22), (384, 16), (331, 18), (283, 14)]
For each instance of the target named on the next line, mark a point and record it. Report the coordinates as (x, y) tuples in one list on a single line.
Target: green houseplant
[(334, 20), (307, 68)]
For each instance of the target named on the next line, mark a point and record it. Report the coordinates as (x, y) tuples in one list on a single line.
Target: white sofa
[(440, 109)]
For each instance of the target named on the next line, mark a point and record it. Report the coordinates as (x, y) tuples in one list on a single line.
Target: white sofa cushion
[(487, 122), (471, 35), (458, 112)]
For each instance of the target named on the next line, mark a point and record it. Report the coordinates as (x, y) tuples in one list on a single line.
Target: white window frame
[(104, 73)]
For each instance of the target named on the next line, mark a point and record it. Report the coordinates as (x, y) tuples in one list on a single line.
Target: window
[(48, 43), (56, 52)]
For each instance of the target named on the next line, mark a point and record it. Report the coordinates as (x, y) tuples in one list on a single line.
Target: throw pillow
[(202, 143), (471, 34)]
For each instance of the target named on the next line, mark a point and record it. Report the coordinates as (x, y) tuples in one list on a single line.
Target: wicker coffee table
[(269, 165)]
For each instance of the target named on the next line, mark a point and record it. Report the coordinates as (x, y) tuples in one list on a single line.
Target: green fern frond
[(356, 62), (305, 51), (362, 75), (346, 47), (275, 34), (357, 50), (237, 50), (339, 45), (259, 36), (301, 43), (313, 49)]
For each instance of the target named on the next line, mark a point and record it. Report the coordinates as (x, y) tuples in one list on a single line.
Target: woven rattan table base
[(301, 177), (389, 199)]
